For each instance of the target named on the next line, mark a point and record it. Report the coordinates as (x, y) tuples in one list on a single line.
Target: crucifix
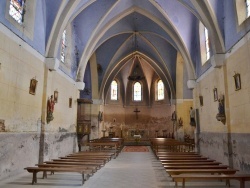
[(136, 111)]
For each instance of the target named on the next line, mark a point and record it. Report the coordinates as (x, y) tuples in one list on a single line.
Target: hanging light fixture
[(135, 76)]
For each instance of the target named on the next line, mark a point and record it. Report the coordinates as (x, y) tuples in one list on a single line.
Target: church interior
[(76, 71)]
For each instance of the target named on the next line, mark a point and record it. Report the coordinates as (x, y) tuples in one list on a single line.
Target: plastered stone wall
[(209, 110), (239, 101), (182, 105), (182, 109), (240, 151), (64, 116), (227, 143), (59, 145), (215, 146), (25, 138), (19, 64), (18, 67), (17, 151)]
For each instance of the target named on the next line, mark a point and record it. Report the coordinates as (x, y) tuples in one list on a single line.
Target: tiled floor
[(128, 170)]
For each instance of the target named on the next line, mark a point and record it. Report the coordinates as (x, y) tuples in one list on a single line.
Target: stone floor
[(128, 170)]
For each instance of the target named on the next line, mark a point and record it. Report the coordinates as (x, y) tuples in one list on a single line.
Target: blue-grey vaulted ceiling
[(116, 30)]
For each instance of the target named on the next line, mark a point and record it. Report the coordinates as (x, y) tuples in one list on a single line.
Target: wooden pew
[(35, 170), (183, 161), (196, 167), (175, 153), (100, 146), (166, 144), (85, 167), (120, 140), (97, 162), (106, 159), (199, 171), (98, 165), (93, 153), (191, 163), (161, 156), (242, 178), (182, 158)]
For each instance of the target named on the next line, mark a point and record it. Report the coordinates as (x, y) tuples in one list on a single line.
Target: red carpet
[(135, 149)]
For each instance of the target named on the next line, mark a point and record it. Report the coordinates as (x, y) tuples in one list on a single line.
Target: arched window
[(248, 7), (243, 10), (160, 90), (114, 90), (137, 91), (16, 10), (63, 46), (204, 44), (207, 43)]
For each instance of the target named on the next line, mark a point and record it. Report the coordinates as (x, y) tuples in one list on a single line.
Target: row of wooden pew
[(188, 165), (86, 163), (170, 144), (106, 144)]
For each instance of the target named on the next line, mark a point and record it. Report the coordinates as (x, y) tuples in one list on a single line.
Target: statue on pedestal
[(50, 109)]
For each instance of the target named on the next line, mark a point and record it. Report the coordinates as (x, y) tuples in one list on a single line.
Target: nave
[(128, 170)]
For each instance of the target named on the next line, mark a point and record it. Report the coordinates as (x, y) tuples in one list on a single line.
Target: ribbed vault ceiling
[(117, 30)]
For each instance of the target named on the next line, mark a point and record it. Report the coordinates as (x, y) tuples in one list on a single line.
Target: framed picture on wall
[(215, 94), (70, 102), (201, 100), (237, 82), (33, 83), (55, 96)]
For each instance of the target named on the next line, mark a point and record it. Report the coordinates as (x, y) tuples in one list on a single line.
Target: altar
[(137, 136), (133, 134)]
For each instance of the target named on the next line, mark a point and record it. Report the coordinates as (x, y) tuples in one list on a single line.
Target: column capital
[(52, 63), (217, 60), (191, 84), (80, 85)]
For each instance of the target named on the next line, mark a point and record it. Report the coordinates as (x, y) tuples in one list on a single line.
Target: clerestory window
[(160, 90), (16, 10), (63, 46), (137, 91), (207, 43), (114, 90)]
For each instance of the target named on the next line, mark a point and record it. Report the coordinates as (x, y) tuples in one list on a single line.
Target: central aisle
[(130, 170)]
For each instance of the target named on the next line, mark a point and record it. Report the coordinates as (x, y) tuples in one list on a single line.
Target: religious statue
[(174, 116), (192, 116), (100, 116), (221, 114), (180, 122), (50, 108)]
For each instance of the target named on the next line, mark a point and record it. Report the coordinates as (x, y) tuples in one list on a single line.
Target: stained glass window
[(160, 90), (16, 10), (207, 44), (63, 46), (114, 90), (137, 91)]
